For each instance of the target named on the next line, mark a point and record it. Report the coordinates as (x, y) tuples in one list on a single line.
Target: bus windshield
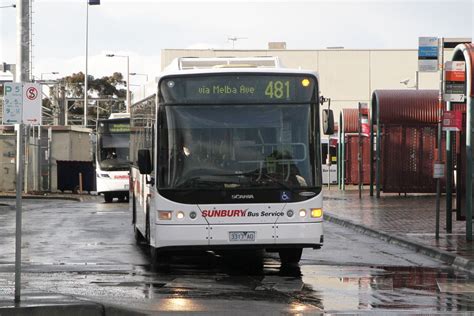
[(114, 152), (238, 147)]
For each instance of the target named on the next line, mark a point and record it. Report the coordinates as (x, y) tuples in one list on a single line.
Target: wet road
[(87, 250)]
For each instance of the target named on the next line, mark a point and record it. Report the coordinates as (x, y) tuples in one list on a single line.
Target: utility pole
[(23, 74), (23, 71)]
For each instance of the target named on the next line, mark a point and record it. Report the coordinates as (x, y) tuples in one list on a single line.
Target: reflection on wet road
[(87, 250)]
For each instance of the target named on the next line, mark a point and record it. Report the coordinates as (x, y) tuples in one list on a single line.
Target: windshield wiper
[(200, 181), (269, 177)]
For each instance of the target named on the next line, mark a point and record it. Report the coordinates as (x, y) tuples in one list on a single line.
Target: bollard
[(80, 182)]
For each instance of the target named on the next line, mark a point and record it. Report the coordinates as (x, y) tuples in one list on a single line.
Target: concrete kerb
[(444, 256), (71, 309), (84, 308), (78, 198)]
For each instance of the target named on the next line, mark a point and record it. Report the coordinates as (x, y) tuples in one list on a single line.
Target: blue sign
[(428, 54), (428, 51)]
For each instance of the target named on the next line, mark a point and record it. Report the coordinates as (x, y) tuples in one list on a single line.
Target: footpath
[(408, 221)]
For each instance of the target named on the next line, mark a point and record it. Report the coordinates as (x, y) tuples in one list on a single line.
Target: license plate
[(241, 236)]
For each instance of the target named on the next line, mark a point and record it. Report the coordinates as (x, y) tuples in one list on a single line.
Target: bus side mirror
[(144, 161), (328, 122)]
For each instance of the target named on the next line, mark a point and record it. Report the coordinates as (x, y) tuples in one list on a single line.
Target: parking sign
[(12, 103)]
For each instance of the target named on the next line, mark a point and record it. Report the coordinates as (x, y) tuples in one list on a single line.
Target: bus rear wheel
[(291, 255)]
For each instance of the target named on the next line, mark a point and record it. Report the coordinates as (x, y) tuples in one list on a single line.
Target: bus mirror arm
[(150, 180)]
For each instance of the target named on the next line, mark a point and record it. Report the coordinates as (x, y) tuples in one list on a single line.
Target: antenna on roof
[(234, 39)]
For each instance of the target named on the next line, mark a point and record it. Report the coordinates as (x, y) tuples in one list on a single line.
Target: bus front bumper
[(260, 236)]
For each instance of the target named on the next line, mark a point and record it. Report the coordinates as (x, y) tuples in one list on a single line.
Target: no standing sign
[(32, 103), (22, 104)]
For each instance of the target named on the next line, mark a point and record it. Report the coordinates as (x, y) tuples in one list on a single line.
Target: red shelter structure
[(459, 146), (349, 150), (406, 125)]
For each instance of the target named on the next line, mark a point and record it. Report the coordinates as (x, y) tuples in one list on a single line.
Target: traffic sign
[(12, 103), (438, 170), (32, 103), (455, 81), (452, 121), (428, 54), (22, 104)]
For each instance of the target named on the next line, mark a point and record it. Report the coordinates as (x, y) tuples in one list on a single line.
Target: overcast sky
[(141, 29)]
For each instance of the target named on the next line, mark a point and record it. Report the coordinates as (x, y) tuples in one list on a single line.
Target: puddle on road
[(330, 288), (346, 288)]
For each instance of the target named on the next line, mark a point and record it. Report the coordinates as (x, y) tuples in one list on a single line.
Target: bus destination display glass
[(218, 89), (114, 127)]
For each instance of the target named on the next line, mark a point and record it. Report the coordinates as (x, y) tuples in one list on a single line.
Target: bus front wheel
[(108, 197), (290, 256), (159, 260)]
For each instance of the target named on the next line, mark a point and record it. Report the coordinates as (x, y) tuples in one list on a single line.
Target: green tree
[(112, 87)]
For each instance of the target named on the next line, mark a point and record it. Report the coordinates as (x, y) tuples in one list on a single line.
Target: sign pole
[(440, 116), (329, 154), (359, 154), (19, 181)]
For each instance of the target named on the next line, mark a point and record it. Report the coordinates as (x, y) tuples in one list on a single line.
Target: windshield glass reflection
[(114, 151), (227, 147)]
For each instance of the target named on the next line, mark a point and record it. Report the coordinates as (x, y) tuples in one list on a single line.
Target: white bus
[(226, 155), (112, 157)]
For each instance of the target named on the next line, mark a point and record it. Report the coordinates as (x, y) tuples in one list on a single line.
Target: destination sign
[(218, 89), (108, 127)]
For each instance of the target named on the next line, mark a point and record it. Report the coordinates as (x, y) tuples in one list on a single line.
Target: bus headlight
[(290, 213), (165, 215), (180, 215), (302, 212), (316, 212), (192, 215)]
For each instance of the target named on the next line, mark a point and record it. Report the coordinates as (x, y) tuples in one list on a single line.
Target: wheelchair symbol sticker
[(285, 196)]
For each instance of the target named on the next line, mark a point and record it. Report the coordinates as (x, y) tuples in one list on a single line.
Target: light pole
[(48, 73), (89, 2), (136, 74), (128, 78)]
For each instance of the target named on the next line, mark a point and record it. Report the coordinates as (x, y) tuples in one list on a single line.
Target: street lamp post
[(86, 70), (89, 2), (128, 78), (136, 74)]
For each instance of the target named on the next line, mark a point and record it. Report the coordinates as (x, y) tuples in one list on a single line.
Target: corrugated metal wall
[(408, 124), (351, 162), (351, 149)]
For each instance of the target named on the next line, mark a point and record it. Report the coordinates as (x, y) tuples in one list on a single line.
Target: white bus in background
[(329, 166), (226, 155), (112, 157)]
